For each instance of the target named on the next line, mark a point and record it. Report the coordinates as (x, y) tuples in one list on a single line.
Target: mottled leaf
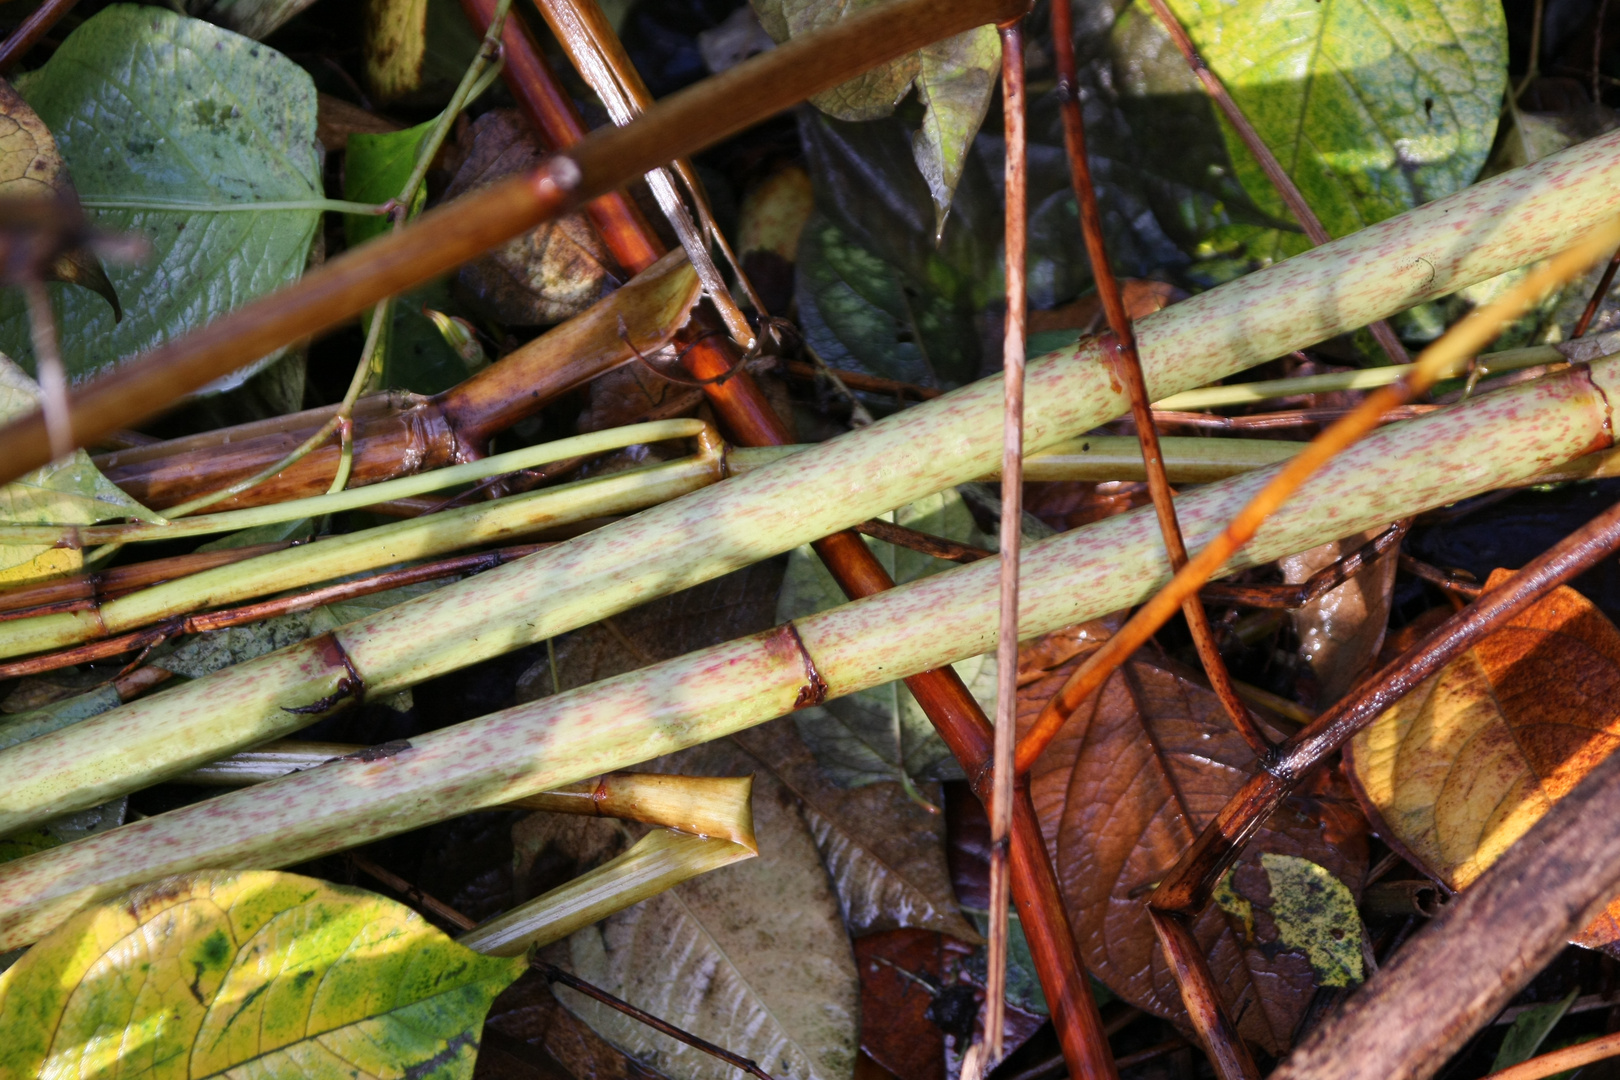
[(1371, 107), (416, 51), (955, 81), (1461, 767), (219, 970), (553, 271), (153, 107), (753, 957), (1316, 915), (1131, 778), (882, 733), (31, 167), (883, 850), (1341, 631), (70, 491)]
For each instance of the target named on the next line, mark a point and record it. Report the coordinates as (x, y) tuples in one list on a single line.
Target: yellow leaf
[(1461, 767), (254, 973)]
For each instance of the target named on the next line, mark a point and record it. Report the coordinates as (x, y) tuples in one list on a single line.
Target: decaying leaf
[(551, 272), (1340, 632), (71, 491), (226, 969), (528, 1013), (954, 79), (772, 218), (883, 850), (31, 167), (1316, 915), (153, 108), (1460, 768), (753, 957), (882, 733), (1127, 784)]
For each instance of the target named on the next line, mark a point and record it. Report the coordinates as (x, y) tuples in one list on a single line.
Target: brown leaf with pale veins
[(1460, 768), (552, 272), (884, 852), (31, 167), (1340, 632), (1131, 778)]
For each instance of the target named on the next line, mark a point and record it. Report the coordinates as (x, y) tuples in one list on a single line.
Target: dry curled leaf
[(550, 273), (1461, 767), (31, 167), (1131, 778)]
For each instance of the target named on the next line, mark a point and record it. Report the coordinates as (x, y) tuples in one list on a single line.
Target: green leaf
[(1530, 1029), (152, 107), (275, 973), (70, 491), (882, 733), (1316, 915), (375, 169), (956, 79), (67, 828), (1371, 106)]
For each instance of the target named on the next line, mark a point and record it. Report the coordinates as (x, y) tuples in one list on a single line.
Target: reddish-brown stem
[(1598, 294), (1292, 418), (1227, 1051), (1284, 184), (937, 546), (411, 893), (83, 591), (1129, 364), (751, 421), (1439, 578), (1317, 585), (281, 605), (450, 235), (799, 369), (27, 35), (1186, 888)]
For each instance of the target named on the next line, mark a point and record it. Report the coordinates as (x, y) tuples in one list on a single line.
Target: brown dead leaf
[(633, 395), (1460, 768), (1340, 632), (550, 273), (547, 1034), (31, 167), (1124, 788)]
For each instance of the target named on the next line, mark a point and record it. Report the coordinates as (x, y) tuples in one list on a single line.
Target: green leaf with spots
[(277, 974), (1371, 106), (153, 108), (882, 733), (1316, 915)]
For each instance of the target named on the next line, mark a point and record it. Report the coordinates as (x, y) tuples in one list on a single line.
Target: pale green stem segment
[(658, 861), (404, 487), (1397, 471), (350, 553), (1214, 397), (1435, 249)]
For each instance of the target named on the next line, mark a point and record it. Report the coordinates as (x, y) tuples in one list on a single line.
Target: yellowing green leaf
[(1316, 915), (273, 974), (66, 492), (1372, 106), (1463, 766)]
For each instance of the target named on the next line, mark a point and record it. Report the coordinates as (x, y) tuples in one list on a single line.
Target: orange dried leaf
[(1125, 786), (1460, 768)]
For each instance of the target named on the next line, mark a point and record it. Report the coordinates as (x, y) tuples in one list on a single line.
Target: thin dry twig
[(36, 26), (1129, 364), (1557, 1061), (1598, 294), (1319, 584), (555, 974), (1012, 515), (928, 544)]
